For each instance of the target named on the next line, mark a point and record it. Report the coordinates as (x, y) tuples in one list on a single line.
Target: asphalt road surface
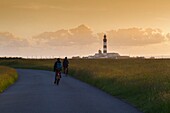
[(34, 92)]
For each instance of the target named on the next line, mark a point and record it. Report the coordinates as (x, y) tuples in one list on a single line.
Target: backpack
[(59, 66), (65, 63)]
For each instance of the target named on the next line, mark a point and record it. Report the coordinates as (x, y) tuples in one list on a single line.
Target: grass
[(7, 77), (143, 83), (28, 63)]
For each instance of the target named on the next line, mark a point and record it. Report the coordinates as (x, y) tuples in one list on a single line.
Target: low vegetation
[(28, 63), (7, 77), (143, 83)]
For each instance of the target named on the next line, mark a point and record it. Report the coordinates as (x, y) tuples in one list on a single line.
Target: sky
[(76, 27)]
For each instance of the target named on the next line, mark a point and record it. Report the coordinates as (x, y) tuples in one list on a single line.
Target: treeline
[(14, 58), (11, 58)]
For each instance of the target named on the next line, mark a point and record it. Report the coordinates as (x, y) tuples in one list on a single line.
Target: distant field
[(28, 63), (143, 83), (7, 77)]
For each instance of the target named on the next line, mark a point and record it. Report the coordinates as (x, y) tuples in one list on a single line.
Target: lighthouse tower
[(105, 45)]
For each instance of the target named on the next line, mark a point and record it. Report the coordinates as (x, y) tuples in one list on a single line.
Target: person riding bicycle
[(57, 70), (65, 66)]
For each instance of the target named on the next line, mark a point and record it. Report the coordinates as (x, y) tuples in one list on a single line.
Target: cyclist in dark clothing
[(65, 66), (57, 70)]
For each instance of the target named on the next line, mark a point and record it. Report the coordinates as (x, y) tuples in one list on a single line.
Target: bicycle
[(57, 77), (65, 71)]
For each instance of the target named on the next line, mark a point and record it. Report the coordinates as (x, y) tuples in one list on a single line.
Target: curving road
[(34, 92)]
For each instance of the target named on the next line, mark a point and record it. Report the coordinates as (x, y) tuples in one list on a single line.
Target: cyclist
[(65, 66), (57, 70)]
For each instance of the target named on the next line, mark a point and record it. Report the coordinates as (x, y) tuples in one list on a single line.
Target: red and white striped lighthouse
[(105, 45)]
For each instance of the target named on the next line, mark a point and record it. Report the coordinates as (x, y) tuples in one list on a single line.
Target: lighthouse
[(105, 45), (105, 54)]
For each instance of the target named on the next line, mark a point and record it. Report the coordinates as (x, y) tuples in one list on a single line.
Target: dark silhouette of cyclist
[(65, 66), (57, 70)]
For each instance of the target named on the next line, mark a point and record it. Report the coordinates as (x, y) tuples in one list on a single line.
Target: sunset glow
[(76, 27)]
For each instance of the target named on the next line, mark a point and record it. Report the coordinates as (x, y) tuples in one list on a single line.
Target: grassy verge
[(7, 77), (143, 83)]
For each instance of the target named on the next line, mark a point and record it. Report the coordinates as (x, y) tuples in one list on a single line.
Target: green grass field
[(143, 83), (7, 77)]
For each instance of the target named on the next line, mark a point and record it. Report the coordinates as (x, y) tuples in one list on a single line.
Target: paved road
[(34, 92)]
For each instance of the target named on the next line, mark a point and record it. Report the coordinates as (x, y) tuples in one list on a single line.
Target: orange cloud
[(80, 35), (82, 41), (168, 36), (76, 41), (11, 45), (135, 36), (9, 40)]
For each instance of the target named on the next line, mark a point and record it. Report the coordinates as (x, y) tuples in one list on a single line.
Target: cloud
[(58, 38), (82, 41), (81, 35), (168, 36), (11, 45), (10, 41), (75, 41), (135, 36)]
